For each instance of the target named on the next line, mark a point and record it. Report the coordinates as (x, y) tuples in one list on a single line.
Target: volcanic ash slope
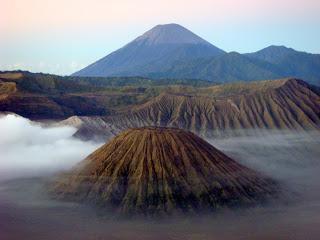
[(160, 171)]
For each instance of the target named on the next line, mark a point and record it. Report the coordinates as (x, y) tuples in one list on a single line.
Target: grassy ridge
[(38, 95)]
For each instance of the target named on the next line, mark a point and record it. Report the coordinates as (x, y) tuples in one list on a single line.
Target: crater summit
[(170, 33)]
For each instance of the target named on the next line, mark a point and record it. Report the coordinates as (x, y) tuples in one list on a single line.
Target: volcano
[(162, 171), (156, 50)]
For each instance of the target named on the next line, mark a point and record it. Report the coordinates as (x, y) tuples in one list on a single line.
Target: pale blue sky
[(64, 43)]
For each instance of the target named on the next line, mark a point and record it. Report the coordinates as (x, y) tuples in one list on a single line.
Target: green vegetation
[(45, 96), (38, 95)]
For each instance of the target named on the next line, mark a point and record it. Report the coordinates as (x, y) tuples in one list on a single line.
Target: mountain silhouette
[(172, 51), (155, 50)]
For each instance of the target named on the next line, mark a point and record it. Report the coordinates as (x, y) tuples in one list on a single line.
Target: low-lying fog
[(27, 149), (30, 153)]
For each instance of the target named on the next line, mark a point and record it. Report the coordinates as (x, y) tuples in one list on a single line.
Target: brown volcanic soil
[(154, 171), (42, 96), (213, 111), (277, 104)]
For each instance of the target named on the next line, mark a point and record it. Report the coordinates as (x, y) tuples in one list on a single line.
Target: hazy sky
[(62, 36)]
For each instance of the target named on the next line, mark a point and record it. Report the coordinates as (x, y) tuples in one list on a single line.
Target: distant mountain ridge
[(269, 63), (172, 51), (272, 53), (229, 67), (291, 62)]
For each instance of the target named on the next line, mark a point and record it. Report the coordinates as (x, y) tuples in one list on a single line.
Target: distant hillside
[(229, 67), (291, 63), (274, 104), (273, 54), (40, 83), (45, 96)]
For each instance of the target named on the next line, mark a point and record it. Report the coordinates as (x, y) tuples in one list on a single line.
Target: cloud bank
[(28, 149), (292, 158)]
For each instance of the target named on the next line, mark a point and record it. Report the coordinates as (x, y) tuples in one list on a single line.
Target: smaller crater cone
[(157, 171)]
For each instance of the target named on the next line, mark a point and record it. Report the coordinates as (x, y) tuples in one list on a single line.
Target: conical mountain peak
[(156, 50), (155, 170), (171, 33)]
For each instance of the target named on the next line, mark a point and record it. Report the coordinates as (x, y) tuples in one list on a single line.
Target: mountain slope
[(291, 62), (90, 128), (46, 96), (154, 51), (160, 171), (280, 104), (229, 67), (270, 63), (272, 54), (274, 104)]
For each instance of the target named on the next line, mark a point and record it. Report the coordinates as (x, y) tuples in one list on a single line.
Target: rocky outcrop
[(90, 128)]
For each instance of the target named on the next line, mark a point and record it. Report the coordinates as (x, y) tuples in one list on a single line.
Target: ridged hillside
[(280, 104), (160, 171), (90, 128)]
